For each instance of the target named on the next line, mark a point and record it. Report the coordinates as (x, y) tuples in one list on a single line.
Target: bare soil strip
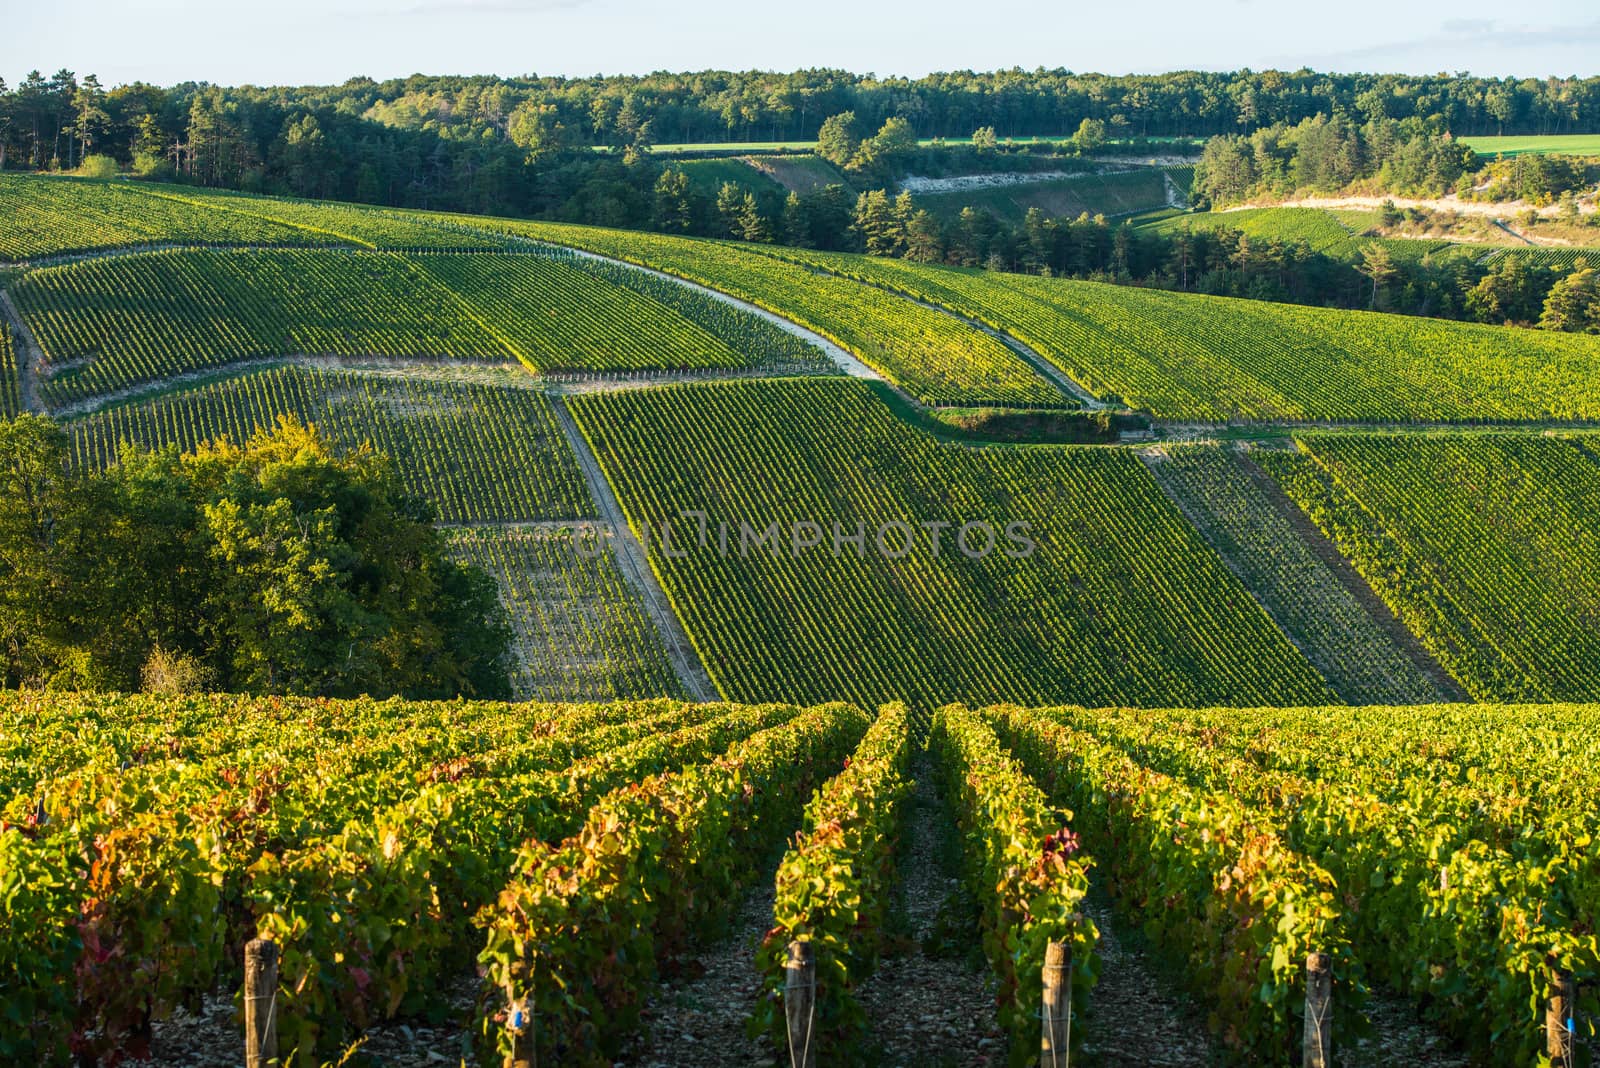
[(1137, 1012), (212, 1036), (635, 565), (1345, 571), (30, 358), (931, 1008), (699, 1018)]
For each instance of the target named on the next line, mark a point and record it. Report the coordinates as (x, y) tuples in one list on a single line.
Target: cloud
[(1460, 43)]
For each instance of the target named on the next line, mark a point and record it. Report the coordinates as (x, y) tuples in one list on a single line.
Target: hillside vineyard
[(836, 684)]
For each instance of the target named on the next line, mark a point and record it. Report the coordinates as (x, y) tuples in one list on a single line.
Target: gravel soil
[(1137, 1012), (698, 1020), (931, 1008), (214, 1037)]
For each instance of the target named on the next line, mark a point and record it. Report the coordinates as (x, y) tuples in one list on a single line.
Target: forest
[(524, 145)]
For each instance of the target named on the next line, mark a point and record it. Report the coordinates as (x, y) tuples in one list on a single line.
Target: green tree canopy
[(839, 139), (278, 566)]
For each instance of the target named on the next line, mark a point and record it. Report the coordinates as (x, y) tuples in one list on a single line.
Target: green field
[(1485, 546), (1117, 574), (475, 453), (1097, 194), (1191, 357), (1563, 144)]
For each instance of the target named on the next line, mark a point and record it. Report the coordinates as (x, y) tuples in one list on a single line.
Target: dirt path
[(1516, 235), (1137, 1012), (30, 358), (698, 1020), (635, 565), (1493, 209), (846, 362), (1343, 570), (917, 998), (505, 374)]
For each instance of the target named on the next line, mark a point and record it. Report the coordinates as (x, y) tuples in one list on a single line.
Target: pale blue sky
[(320, 41)]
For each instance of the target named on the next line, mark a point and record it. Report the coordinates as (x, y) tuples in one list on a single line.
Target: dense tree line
[(527, 147), (1414, 157), (523, 145), (280, 566)]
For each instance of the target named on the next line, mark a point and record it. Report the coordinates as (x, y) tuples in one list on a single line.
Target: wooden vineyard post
[(800, 1002), (521, 1022), (1319, 1011), (260, 1003), (1055, 1043), (1558, 1033)]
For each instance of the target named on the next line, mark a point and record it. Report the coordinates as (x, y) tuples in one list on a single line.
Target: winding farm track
[(29, 356), (846, 363), (1039, 363), (635, 565)]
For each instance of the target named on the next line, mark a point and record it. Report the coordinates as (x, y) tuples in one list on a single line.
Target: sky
[(303, 42)]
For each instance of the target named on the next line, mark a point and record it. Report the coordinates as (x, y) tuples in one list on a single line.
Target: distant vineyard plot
[(581, 633), (1119, 193), (476, 453), (46, 217), (1328, 621), (1120, 600), (52, 216), (1484, 544), (935, 357), (1190, 357), (110, 324)]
